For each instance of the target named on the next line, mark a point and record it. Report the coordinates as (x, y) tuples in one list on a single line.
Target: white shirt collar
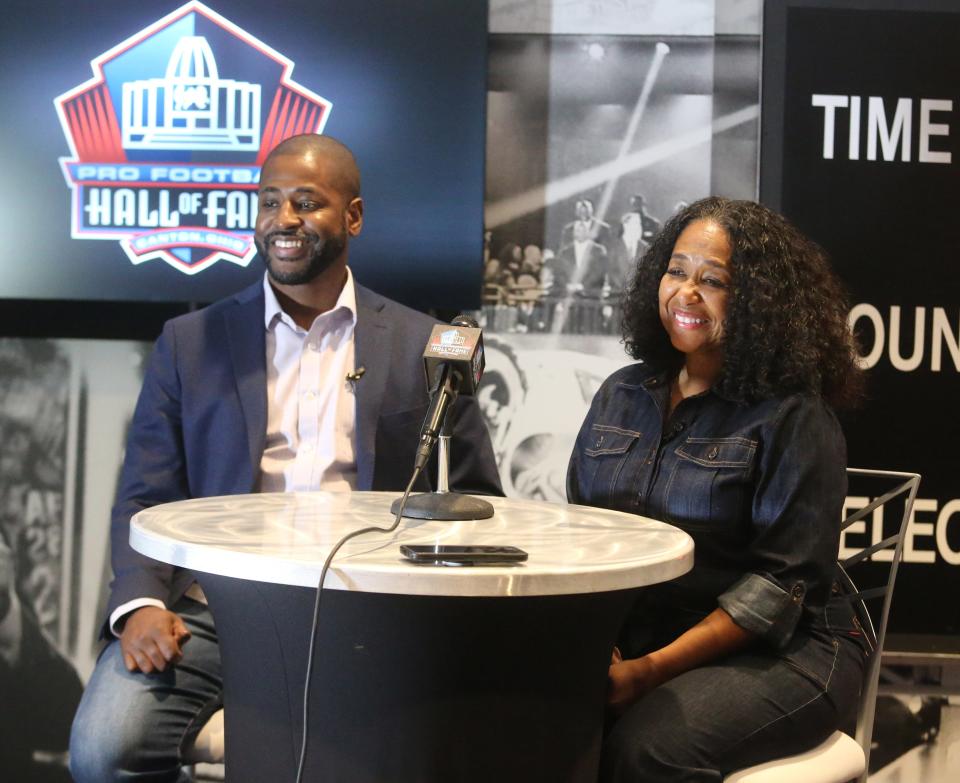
[(272, 312)]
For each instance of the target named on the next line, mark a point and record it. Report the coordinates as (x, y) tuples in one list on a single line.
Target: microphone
[(356, 375), (453, 362)]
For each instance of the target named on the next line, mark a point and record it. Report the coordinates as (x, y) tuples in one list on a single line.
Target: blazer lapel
[(247, 340), (372, 352)]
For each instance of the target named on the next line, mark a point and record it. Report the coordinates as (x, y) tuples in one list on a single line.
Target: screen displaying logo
[(168, 137)]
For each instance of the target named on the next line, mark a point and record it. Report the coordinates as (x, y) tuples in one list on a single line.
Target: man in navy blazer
[(205, 425)]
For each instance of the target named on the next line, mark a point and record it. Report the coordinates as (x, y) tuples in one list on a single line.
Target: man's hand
[(152, 638)]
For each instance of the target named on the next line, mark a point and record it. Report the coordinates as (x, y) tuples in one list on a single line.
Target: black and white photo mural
[(603, 118)]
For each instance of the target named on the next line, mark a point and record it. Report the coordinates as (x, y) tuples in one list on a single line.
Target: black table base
[(411, 689)]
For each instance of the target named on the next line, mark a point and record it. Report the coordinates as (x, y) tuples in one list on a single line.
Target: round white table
[(422, 673)]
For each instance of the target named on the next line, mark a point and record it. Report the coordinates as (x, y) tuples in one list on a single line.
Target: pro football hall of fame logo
[(168, 137)]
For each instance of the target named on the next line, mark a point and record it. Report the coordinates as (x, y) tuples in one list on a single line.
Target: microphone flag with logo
[(459, 346)]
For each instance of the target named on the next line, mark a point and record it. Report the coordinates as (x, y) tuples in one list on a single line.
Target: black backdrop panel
[(881, 196), (403, 84)]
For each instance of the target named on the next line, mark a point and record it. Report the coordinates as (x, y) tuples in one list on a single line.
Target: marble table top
[(284, 538)]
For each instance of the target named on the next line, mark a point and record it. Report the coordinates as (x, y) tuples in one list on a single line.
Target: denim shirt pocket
[(709, 482), (605, 454)]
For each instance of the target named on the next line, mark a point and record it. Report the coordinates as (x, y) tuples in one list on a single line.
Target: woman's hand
[(629, 681), (714, 637)]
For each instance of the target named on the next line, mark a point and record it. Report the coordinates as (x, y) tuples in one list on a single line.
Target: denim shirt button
[(712, 454), (797, 593), (599, 442)]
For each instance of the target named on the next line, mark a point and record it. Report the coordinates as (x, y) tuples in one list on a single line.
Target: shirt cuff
[(11, 632), (124, 609), (761, 606)]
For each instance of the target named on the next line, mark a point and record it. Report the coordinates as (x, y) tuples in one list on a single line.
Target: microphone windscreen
[(465, 320)]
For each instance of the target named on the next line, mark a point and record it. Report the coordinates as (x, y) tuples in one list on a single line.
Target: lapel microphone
[(356, 375)]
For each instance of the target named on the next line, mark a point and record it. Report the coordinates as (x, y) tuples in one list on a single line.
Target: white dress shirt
[(580, 247), (632, 232), (311, 407)]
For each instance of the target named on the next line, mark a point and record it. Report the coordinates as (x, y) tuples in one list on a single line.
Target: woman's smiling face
[(695, 289)]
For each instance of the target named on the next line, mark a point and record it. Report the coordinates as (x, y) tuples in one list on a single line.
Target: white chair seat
[(835, 760), (208, 746)]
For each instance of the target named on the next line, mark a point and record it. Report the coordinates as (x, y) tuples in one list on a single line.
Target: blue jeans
[(749, 708), (132, 726)]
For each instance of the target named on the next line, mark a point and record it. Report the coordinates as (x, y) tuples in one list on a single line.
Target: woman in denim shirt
[(726, 430)]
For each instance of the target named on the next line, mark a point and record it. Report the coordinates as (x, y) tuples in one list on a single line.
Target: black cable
[(316, 610)]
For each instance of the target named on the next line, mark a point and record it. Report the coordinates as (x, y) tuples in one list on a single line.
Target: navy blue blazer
[(199, 426)]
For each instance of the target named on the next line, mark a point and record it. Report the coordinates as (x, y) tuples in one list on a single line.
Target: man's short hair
[(330, 148)]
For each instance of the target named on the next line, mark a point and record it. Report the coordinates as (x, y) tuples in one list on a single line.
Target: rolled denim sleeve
[(762, 607), (795, 518)]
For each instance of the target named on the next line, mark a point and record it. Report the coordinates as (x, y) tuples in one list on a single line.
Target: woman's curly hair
[(786, 325)]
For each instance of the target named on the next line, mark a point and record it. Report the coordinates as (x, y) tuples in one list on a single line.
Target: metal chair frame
[(802, 765), (910, 482)]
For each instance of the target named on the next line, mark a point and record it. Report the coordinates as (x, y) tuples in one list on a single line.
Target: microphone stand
[(444, 504)]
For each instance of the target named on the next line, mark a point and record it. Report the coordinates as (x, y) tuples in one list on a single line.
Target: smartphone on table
[(462, 554)]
